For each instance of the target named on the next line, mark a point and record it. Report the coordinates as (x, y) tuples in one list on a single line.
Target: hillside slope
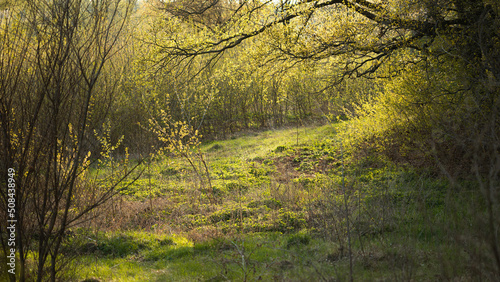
[(278, 209)]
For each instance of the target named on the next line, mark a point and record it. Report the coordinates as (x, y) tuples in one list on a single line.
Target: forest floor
[(282, 205)]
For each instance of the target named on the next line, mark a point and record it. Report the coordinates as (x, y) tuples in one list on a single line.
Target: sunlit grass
[(264, 256), (279, 214), (253, 145), (122, 262)]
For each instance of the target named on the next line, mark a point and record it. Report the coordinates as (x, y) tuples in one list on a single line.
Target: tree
[(454, 42), (54, 91), (354, 38), (364, 33)]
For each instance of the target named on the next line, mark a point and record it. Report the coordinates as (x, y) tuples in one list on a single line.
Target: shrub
[(270, 203), (215, 147), (280, 149), (118, 246), (290, 221), (228, 214), (298, 239)]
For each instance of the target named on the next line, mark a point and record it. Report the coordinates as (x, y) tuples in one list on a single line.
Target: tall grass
[(281, 213)]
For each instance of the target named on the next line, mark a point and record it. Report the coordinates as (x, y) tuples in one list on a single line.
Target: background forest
[(221, 140)]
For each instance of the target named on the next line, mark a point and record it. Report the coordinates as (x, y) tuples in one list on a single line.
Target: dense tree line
[(227, 66), (415, 78), (419, 79)]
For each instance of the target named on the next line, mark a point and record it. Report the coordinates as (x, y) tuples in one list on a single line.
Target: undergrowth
[(280, 213)]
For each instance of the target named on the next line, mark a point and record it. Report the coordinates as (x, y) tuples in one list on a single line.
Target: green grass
[(277, 211), (258, 145), (254, 256)]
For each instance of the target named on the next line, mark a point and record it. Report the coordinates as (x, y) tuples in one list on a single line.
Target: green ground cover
[(280, 210)]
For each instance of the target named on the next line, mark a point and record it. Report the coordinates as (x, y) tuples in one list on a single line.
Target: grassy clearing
[(267, 256), (277, 212)]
